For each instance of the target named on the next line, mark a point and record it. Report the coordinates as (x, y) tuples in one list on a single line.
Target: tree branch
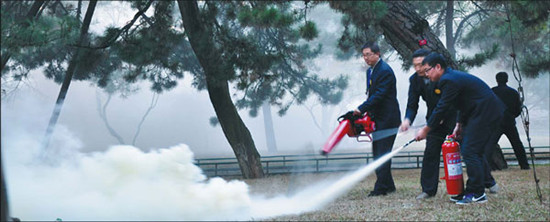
[(103, 115), (461, 24), (154, 101), (480, 8), (110, 41)]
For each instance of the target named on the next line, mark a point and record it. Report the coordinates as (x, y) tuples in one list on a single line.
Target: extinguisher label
[(454, 166)]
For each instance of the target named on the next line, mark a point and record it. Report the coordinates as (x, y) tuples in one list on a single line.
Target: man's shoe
[(494, 189), (423, 195), (457, 197), (472, 198)]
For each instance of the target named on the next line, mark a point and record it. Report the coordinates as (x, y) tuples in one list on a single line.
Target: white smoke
[(126, 183), (122, 183)]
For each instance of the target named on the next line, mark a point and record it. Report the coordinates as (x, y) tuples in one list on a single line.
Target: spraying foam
[(125, 183), (319, 195)]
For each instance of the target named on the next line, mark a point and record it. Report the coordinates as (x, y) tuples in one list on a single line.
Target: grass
[(516, 201)]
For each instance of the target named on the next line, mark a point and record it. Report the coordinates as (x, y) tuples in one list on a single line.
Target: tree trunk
[(69, 74), (33, 12), (200, 37), (5, 208), (449, 37), (269, 132), (403, 28)]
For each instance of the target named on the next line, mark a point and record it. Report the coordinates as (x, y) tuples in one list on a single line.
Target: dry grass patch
[(517, 199)]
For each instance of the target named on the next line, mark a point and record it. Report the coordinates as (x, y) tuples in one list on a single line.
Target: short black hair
[(372, 46), (433, 59), (420, 53), (502, 77)]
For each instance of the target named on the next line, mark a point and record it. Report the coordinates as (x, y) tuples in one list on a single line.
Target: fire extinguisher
[(453, 166)]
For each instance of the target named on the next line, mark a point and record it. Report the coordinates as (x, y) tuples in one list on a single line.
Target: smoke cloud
[(122, 183), (126, 183)]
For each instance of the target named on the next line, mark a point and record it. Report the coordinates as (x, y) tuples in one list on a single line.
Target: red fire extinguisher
[(453, 166)]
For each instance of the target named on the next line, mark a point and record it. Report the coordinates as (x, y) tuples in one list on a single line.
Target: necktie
[(369, 71)]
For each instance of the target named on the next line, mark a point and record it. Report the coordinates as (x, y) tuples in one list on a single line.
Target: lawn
[(517, 199)]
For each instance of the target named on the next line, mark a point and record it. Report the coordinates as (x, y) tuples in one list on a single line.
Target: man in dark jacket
[(382, 106), (421, 86), (510, 97), (480, 112)]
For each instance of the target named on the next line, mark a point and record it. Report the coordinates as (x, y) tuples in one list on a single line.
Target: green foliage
[(361, 24), (531, 13), (478, 59), (530, 34), (34, 43), (533, 65), (268, 57), (263, 16), (309, 31), (261, 44), (153, 51)]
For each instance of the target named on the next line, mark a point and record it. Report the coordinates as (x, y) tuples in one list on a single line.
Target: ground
[(517, 199)]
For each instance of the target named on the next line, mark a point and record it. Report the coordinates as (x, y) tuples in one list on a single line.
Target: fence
[(311, 163)]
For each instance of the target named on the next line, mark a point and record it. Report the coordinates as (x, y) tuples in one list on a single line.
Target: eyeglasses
[(427, 70), (368, 55)]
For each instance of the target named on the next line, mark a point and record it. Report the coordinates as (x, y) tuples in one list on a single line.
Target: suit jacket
[(382, 103), (510, 98), (421, 87), (476, 102)]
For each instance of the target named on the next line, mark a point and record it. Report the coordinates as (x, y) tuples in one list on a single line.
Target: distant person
[(480, 112), (421, 86), (510, 97), (382, 106)]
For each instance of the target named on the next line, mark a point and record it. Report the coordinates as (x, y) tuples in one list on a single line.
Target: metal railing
[(312, 163)]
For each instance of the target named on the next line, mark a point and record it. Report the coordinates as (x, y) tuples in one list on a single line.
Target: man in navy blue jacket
[(382, 106), (420, 86), (510, 97), (480, 112)]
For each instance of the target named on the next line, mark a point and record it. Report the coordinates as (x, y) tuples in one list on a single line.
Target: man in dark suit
[(480, 112), (510, 97), (382, 106), (421, 86)]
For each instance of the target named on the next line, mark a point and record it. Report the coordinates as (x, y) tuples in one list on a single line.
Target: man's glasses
[(428, 69), (366, 55)]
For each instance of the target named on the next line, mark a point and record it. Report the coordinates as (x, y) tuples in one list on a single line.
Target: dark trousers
[(509, 129), (429, 175), (476, 141), (384, 179)]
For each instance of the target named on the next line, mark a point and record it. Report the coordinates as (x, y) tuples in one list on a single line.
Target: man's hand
[(458, 131), (422, 133), (356, 112), (405, 125)]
